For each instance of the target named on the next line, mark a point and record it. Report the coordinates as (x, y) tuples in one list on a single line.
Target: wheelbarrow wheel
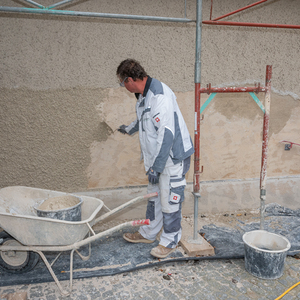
[(17, 261)]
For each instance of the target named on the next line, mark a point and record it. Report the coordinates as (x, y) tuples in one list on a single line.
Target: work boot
[(161, 251), (136, 238)]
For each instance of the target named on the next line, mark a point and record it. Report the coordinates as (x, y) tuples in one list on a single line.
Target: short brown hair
[(131, 68)]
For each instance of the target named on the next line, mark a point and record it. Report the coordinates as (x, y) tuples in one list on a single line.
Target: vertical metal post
[(263, 174), (196, 189)]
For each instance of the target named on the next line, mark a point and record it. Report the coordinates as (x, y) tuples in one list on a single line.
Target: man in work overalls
[(166, 148)]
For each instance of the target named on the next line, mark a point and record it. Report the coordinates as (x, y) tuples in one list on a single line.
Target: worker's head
[(130, 68), (132, 75)]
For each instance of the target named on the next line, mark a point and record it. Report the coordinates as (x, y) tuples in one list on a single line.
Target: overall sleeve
[(133, 127)]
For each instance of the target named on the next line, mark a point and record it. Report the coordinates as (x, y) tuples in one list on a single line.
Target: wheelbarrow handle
[(140, 222), (110, 231), (150, 195), (125, 205)]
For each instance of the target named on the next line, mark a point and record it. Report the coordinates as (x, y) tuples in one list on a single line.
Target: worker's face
[(129, 84)]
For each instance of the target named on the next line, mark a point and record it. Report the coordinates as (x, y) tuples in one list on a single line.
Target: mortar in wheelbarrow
[(66, 208)]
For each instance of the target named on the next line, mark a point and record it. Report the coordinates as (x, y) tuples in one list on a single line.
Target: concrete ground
[(219, 279), (205, 279)]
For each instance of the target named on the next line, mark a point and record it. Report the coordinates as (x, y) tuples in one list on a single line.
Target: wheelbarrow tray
[(19, 219)]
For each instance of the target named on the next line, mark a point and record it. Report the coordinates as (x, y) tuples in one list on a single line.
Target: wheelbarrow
[(27, 236)]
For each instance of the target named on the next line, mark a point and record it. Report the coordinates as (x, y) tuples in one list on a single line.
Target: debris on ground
[(15, 296)]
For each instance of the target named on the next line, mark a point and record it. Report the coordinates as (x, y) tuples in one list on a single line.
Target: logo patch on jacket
[(156, 118)]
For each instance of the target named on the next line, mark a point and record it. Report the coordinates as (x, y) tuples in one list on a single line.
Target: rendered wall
[(61, 102)]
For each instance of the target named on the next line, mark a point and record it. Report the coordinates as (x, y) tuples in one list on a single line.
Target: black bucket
[(66, 208), (265, 253)]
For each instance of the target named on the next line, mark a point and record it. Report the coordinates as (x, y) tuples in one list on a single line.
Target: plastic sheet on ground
[(113, 255)]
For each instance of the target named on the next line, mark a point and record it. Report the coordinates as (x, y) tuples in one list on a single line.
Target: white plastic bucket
[(265, 253)]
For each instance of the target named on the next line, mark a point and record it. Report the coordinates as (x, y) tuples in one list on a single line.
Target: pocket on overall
[(176, 195)]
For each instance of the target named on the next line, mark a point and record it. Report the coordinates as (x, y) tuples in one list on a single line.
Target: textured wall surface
[(61, 103)]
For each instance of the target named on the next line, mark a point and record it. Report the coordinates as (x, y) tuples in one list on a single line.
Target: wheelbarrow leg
[(84, 258), (62, 291), (71, 270), (73, 248)]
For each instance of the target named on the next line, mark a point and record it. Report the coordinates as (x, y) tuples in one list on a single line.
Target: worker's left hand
[(153, 176)]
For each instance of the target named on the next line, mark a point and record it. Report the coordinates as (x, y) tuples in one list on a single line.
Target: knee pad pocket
[(172, 221)]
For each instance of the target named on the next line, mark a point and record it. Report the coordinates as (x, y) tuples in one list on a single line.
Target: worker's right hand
[(153, 176), (122, 129)]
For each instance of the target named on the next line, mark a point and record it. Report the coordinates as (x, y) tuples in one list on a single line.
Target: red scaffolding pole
[(216, 21), (257, 89), (235, 11), (247, 24), (264, 156), (209, 89)]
